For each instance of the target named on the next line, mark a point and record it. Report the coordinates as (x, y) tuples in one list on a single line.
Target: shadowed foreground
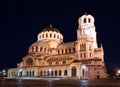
[(58, 83)]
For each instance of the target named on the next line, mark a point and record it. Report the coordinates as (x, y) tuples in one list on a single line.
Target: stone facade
[(49, 56)]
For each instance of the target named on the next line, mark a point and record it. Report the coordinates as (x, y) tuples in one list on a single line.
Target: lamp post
[(83, 70), (50, 71), (118, 72), (20, 72)]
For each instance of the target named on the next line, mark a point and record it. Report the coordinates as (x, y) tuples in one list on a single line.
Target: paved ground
[(58, 83)]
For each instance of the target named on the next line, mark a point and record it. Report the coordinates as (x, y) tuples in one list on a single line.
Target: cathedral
[(49, 56)]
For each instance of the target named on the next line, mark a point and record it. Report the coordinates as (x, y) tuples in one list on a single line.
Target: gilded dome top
[(51, 29)]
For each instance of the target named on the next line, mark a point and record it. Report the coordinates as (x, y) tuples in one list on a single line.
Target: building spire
[(101, 45), (86, 13), (50, 25)]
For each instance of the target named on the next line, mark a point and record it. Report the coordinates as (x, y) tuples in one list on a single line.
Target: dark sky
[(22, 20)]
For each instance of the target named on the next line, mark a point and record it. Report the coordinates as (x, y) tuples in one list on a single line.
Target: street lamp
[(83, 66), (83, 70), (118, 71), (50, 71), (20, 72)]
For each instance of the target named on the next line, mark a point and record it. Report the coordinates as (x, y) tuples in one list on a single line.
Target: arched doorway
[(73, 71)]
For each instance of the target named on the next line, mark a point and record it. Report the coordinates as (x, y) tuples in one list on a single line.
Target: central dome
[(50, 34)]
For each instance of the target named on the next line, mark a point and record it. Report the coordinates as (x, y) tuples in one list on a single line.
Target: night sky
[(22, 20)]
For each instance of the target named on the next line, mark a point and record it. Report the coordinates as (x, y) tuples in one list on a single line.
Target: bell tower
[(86, 29)]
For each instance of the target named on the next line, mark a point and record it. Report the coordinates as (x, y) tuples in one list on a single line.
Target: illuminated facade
[(49, 56)]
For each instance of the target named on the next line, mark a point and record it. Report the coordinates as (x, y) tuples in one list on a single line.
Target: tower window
[(46, 35), (84, 20), (89, 20)]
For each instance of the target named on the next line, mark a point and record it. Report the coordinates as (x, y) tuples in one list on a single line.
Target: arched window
[(89, 54), (64, 62), (60, 73), (54, 36), (40, 49), (32, 73), (36, 49), (81, 55), (40, 36), (32, 49), (50, 63), (57, 36), (48, 73), (65, 50), (80, 47), (52, 73), (84, 55), (65, 72), (83, 47), (62, 51), (89, 20), (50, 35), (27, 73), (73, 49), (84, 20), (46, 35), (69, 50), (73, 71), (58, 51), (57, 62), (44, 73), (29, 61), (55, 72), (43, 36), (44, 49), (41, 73)]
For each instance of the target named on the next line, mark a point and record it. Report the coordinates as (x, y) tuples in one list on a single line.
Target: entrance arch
[(73, 71)]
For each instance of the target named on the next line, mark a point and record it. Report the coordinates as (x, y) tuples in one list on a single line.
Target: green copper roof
[(51, 29)]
